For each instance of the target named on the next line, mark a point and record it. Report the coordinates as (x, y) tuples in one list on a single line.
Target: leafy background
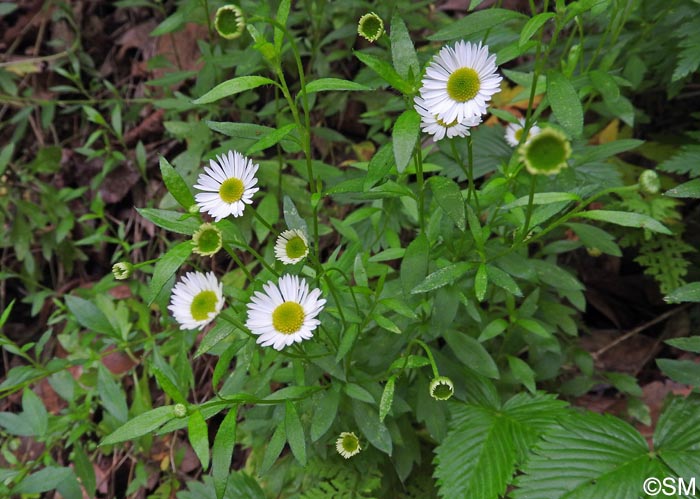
[(565, 349)]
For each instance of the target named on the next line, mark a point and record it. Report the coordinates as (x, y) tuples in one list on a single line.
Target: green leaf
[(334, 85), (471, 353), (403, 54), (222, 451), (414, 265), (442, 277), (274, 448), (46, 479), (111, 395), (503, 280), (170, 220), (689, 189), (481, 281), (523, 373), (677, 437), (198, 434), (282, 15), (605, 85), (684, 162), (220, 331), (89, 316), (169, 24), (33, 409), (543, 198), (324, 413), (689, 292), (405, 135), (367, 420), (533, 25), (626, 220), (295, 432), (593, 154), (565, 103), (449, 197), (232, 87), (594, 237), (291, 216), (485, 444), (493, 329), (379, 166), (387, 398), (270, 139), (175, 184), (588, 456), (166, 266), (358, 393), (476, 22), (386, 72), (534, 327), (681, 371), (140, 425), (690, 344), (84, 469)]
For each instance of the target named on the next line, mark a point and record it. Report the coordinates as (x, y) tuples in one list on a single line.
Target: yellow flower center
[(288, 317), (518, 134), (203, 304), (463, 84), (350, 442), (547, 152), (296, 247), (231, 190), (442, 123)]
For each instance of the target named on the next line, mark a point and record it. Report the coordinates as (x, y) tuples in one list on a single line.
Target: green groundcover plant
[(394, 323)]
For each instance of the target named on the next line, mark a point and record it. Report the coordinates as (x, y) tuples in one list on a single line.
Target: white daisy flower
[(228, 185), (291, 246), (285, 313), (460, 81), (515, 130), (431, 124), (348, 444), (196, 300)]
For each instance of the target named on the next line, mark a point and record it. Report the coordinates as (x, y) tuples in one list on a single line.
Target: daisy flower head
[(441, 388), (546, 153), (285, 313), (460, 81), (229, 22), (348, 444), (208, 240), (196, 300), (291, 246), (430, 123), (514, 132), (370, 27), (228, 185)]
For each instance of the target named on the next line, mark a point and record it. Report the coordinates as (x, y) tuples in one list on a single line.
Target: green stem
[(530, 204), (430, 356), (470, 174), (238, 262), (418, 161)]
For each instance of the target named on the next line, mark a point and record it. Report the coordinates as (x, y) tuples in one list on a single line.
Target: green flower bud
[(180, 410), (441, 388), (229, 22), (370, 27), (122, 270), (649, 182)]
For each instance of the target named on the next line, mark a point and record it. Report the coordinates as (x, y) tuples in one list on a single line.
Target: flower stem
[(418, 160), (430, 356)]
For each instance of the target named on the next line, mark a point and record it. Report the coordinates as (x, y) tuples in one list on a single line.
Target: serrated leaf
[(565, 103), (334, 85), (175, 184), (476, 22), (471, 353), (295, 432), (405, 135), (677, 437), (685, 162), (485, 444), (140, 425), (386, 72), (222, 451), (533, 25), (403, 54), (626, 220), (387, 398), (449, 197), (166, 266), (233, 87), (198, 434)]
